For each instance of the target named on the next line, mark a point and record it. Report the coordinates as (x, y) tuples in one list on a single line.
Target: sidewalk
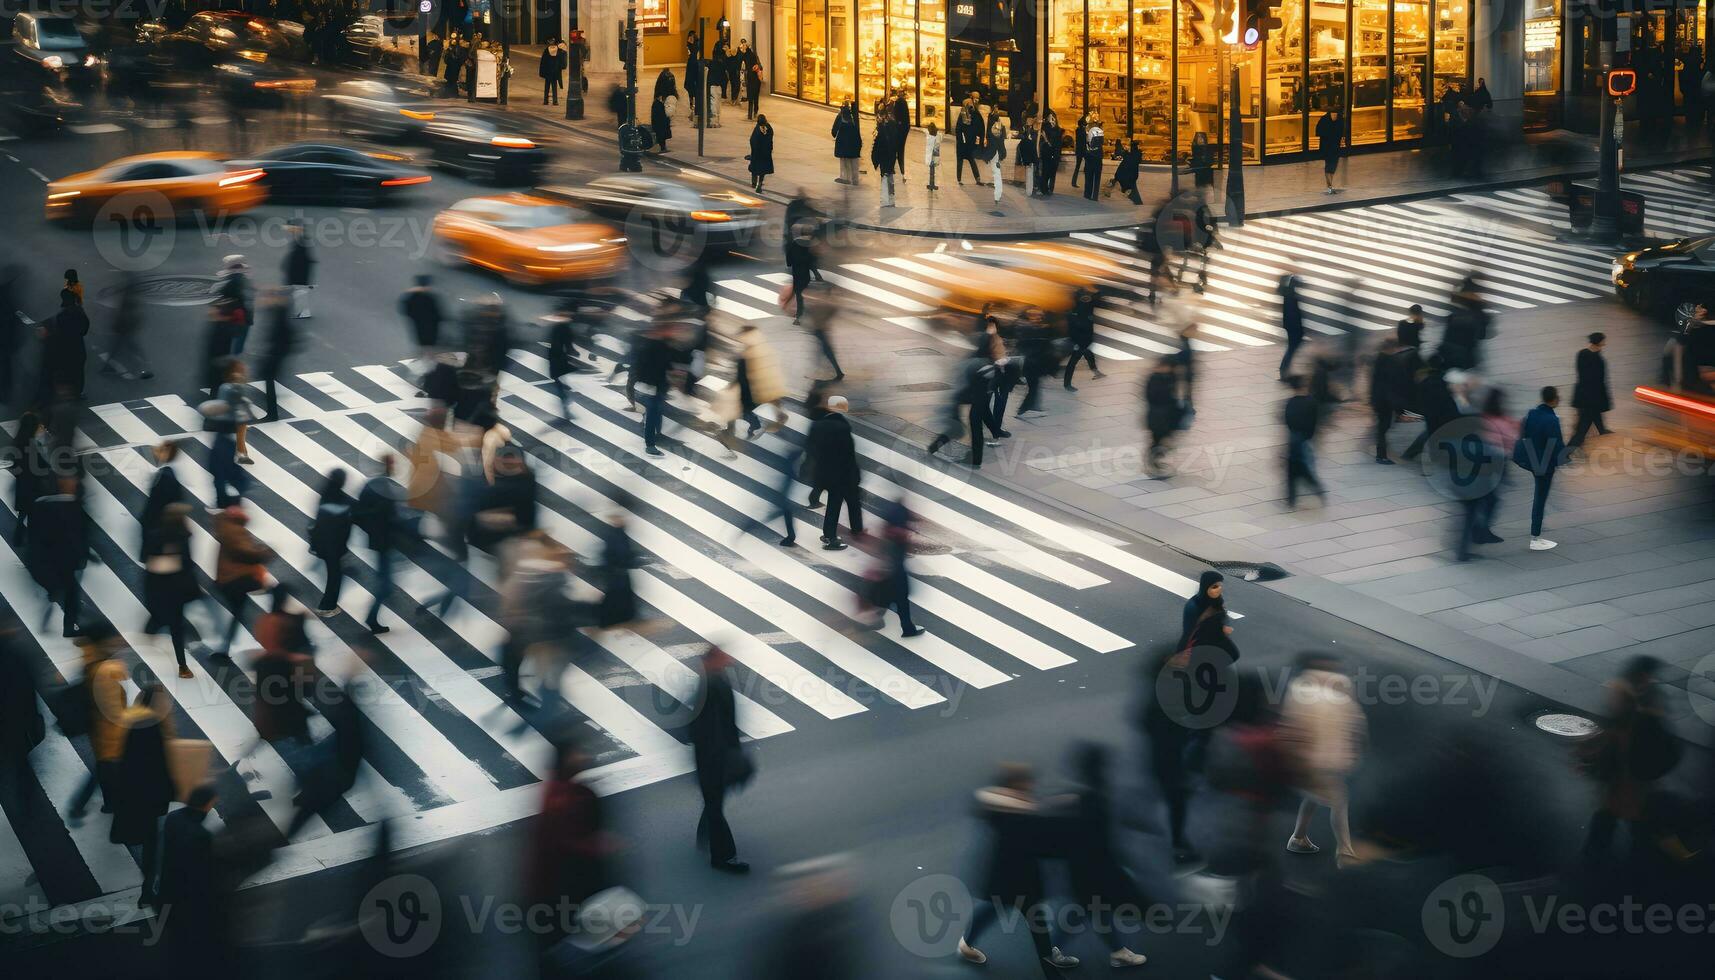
[(803, 159)]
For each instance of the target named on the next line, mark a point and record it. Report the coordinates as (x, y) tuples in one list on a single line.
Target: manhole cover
[(1566, 726), (925, 386)]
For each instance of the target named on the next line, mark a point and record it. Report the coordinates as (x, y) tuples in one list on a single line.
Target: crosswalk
[(1004, 590)]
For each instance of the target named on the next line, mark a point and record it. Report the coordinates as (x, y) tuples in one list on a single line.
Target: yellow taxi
[(529, 240), (165, 186), (1017, 275)]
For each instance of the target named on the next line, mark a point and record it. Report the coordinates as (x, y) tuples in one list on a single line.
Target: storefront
[(829, 51), (1664, 40)]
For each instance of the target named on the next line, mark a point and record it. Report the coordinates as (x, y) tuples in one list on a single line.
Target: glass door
[(814, 62), (932, 60), (1410, 67), (1327, 58), (1369, 72), (1151, 74), (842, 66), (871, 52), (1284, 93), (902, 52)]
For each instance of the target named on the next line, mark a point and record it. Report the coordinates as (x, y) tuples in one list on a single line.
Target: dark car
[(484, 145), (260, 83), (36, 106), (1659, 278), (372, 41), (216, 36), (327, 173), (672, 216), (50, 48), (367, 107)]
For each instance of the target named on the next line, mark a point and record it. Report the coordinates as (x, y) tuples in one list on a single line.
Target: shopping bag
[(187, 763)]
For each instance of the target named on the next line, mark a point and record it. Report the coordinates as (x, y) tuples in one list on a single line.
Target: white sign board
[(487, 75)]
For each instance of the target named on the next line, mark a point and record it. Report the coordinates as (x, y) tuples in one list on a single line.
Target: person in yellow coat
[(104, 687)]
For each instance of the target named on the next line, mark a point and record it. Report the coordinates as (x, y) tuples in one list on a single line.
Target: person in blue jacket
[(1541, 449)]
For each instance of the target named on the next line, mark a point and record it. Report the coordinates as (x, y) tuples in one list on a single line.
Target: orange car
[(171, 185), (529, 240), (1018, 275), (1684, 421)]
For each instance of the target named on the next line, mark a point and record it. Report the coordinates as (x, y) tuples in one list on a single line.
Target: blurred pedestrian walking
[(330, 538), (93, 705), (1390, 392), (1099, 877), (1541, 449), (125, 356), (1011, 880), (1037, 356), (1081, 333), (57, 548), (241, 567), (299, 271), (1330, 134), (1301, 415), (1129, 170), (883, 156), (1467, 327), (1435, 402), (143, 783), (228, 415), (721, 762), (21, 724), (848, 143), (169, 582), (378, 515), (285, 673), (1323, 732), (187, 884), (421, 306), (761, 152), (968, 140), (1634, 749), (1161, 411), (834, 459), (972, 381), (890, 582), (653, 359), (1292, 321), (1590, 396), (64, 352), (283, 342)]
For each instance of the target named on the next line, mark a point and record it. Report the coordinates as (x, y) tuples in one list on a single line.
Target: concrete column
[(601, 20), (1497, 54)]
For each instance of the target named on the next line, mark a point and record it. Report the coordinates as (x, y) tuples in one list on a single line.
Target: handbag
[(740, 768), (72, 708)]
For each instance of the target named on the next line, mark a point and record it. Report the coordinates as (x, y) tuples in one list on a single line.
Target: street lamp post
[(1605, 221), (1235, 141), (630, 140)]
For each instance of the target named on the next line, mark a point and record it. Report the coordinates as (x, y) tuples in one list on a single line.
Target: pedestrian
[(1480, 472), (22, 727), (1467, 328), (759, 380), (968, 140), (761, 152), (507, 506), (300, 269), (1322, 731), (535, 612), (660, 121), (1081, 334), (571, 852), (752, 90), (1409, 331), (1330, 133), (30, 464), (125, 357), (883, 156), (834, 452), (241, 568), (11, 337), (73, 285), (1590, 397), (1012, 870), (1211, 585), (891, 584), (1301, 416), (801, 214), (822, 328), (421, 306), (1009, 372), (653, 360), (1036, 348), (1161, 411), (1093, 159), (330, 538), (932, 152), (1390, 388), (142, 783), (1051, 149), (377, 514), (973, 380), (995, 146), (549, 68), (1541, 450), (901, 111), (282, 335), (1480, 99), (1434, 401), (188, 884), (57, 548), (801, 263), (233, 291), (235, 394), (169, 580), (1291, 320), (1099, 877), (1080, 145), (717, 67), (1029, 155), (227, 414), (1633, 750), (1128, 171), (1202, 163), (721, 763), (64, 352), (94, 705), (696, 86), (848, 143)]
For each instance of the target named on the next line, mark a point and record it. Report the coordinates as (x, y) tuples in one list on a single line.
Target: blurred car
[(484, 145), (51, 48), (327, 173), (668, 209), (1659, 278), (372, 41), (214, 36), (183, 182), (1681, 421), (142, 69), (1014, 276), (260, 83), (367, 107), (34, 105), (529, 240)]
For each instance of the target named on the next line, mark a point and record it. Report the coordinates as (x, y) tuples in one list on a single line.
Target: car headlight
[(90, 61), (53, 61), (1618, 268), (571, 247)]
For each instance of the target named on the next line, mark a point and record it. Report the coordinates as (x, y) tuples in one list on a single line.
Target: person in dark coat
[(188, 880), (1590, 397), (834, 456), (1390, 392), (666, 85), (330, 538), (1467, 328), (378, 515), (1098, 875), (550, 68), (848, 143), (660, 122), (11, 338), (1080, 146), (572, 851), (1081, 332), (650, 364), (1292, 321), (300, 270), (900, 111), (142, 784), (58, 547), (613, 573), (1435, 402), (21, 725), (1161, 410), (1052, 138), (282, 333), (1409, 331), (719, 758), (752, 90), (1541, 449), (893, 584), (761, 152), (170, 581), (1330, 134), (1635, 748), (973, 380), (1126, 174), (1209, 589), (1036, 348), (1093, 137), (882, 156), (1019, 840), (125, 358), (1302, 414), (1202, 161), (696, 85), (718, 68), (163, 491), (508, 505), (968, 140), (64, 351), (421, 307)]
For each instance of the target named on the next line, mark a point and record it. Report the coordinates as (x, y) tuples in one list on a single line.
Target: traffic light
[(1621, 82), (1264, 15)]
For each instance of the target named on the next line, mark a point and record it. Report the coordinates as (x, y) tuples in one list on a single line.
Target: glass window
[(1369, 72), (1284, 97), (842, 73), (786, 47), (1452, 59), (932, 59), (902, 51), (1542, 47), (1110, 93), (1152, 75), (815, 50), (1200, 84), (1327, 57), (1066, 47), (1410, 61), (871, 52), (1250, 98)]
